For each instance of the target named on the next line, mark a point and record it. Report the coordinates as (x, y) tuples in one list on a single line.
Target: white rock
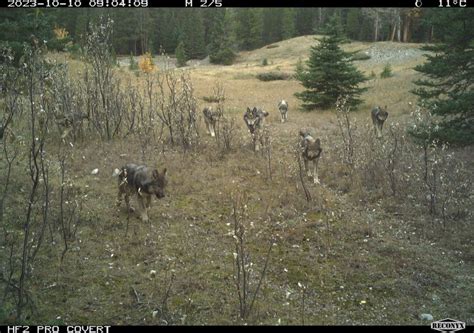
[(426, 316), (95, 172)]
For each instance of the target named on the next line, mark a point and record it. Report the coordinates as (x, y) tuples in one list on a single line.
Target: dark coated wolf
[(379, 115), (210, 118), (254, 119), (142, 181), (310, 151), (283, 108)]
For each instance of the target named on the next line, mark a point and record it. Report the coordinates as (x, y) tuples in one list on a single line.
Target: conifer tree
[(447, 89), (192, 34), (329, 73), (288, 23), (219, 48), (248, 28), (303, 21), (181, 55)]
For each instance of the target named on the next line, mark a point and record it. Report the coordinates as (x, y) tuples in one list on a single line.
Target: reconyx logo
[(448, 325)]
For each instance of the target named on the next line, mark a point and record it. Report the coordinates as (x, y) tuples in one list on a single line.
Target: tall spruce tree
[(192, 33), (18, 27), (219, 48), (303, 21), (329, 73), (288, 23), (248, 28), (447, 88), (180, 54)]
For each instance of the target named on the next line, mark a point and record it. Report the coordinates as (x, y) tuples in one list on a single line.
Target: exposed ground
[(368, 262)]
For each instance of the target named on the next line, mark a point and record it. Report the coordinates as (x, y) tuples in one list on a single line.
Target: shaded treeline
[(153, 30)]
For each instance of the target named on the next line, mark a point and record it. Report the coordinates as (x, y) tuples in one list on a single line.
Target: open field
[(346, 257)]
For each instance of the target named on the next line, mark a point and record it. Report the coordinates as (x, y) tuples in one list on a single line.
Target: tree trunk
[(406, 30), (320, 19), (394, 29), (376, 26), (399, 23)]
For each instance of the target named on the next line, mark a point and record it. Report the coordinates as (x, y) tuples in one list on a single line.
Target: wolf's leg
[(148, 201), (119, 195), (256, 142), (379, 130), (315, 171), (306, 167), (127, 201), (213, 131), (142, 208)]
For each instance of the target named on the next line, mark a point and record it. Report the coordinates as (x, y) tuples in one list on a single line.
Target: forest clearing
[(241, 236)]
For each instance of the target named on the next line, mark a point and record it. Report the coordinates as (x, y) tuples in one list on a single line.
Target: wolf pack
[(145, 183)]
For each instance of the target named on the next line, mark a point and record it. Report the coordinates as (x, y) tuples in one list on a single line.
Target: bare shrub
[(226, 133), (104, 102), (176, 105), (421, 170), (346, 129), (384, 166), (31, 153), (11, 105), (226, 127), (32, 209), (247, 285), (267, 151), (68, 111), (70, 201), (445, 180), (218, 94)]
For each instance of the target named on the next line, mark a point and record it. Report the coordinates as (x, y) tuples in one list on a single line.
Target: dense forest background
[(204, 32)]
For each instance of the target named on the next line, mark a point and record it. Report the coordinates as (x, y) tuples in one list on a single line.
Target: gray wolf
[(310, 151), (254, 119), (379, 115), (70, 121), (211, 117), (283, 108), (143, 182)]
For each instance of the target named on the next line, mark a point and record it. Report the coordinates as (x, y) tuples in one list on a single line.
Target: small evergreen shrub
[(359, 56), (387, 72), (132, 64), (181, 55), (273, 76)]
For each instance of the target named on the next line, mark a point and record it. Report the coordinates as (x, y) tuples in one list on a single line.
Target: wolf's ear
[(254, 109), (164, 171), (155, 174), (248, 109)]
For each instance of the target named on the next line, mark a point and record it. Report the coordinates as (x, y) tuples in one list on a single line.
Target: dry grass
[(360, 264)]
